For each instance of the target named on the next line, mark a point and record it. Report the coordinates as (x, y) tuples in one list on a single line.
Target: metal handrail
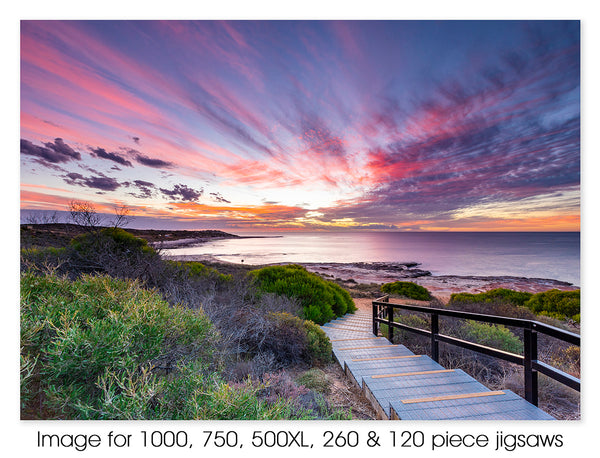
[(383, 312)]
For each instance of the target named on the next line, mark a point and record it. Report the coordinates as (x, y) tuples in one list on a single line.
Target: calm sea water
[(553, 255)]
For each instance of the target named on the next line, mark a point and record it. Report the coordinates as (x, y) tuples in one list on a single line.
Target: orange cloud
[(560, 223), (42, 201)]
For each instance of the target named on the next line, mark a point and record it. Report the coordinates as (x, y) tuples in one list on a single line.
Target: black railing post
[(435, 345), (390, 311), (375, 322), (531, 375)]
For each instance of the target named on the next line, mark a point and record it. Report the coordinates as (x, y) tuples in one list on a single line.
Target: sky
[(305, 125)]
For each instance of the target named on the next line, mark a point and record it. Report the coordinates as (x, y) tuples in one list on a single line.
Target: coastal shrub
[(293, 339), (117, 253), (407, 289), (191, 395), (491, 335), (415, 321), (47, 259), (557, 304), (321, 299), (193, 270), (553, 303), (319, 345), (77, 335), (120, 240), (509, 295), (407, 338), (309, 403)]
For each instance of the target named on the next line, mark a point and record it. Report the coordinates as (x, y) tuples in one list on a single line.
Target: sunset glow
[(305, 125)]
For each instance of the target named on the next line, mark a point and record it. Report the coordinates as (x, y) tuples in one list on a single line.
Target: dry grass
[(344, 395)]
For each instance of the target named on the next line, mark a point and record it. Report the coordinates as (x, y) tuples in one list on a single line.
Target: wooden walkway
[(405, 386)]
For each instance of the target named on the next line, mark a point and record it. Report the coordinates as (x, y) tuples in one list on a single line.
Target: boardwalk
[(405, 386)]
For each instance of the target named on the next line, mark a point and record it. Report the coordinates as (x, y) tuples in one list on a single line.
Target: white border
[(19, 437)]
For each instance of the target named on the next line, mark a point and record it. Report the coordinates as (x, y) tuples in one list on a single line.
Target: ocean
[(550, 255)]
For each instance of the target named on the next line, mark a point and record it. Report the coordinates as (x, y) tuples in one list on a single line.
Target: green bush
[(76, 334), (514, 297), (319, 345), (557, 304), (491, 335), (409, 319), (321, 299), (116, 239), (553, 303), (407, 289), (115, 252), (47, 259), (298, 340), (196, 270), (102, 348)]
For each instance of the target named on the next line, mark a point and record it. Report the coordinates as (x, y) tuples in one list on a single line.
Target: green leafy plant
[(118, 239), (407, 289), (491, 335), (508, 295), (322, 300), (75, 333), (553, 303), (303, 339), (557, 304), (196, 270)]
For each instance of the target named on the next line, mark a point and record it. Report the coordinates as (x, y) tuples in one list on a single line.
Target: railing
[(383, 312)]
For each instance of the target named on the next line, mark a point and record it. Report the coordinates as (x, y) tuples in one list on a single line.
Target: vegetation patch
[(321, 300), (407, 289), (315, 379), (104, 348), (194, 270), (553, 303), (514, 297), (491, 335), (292, 339), (78, 337), (556, 304)]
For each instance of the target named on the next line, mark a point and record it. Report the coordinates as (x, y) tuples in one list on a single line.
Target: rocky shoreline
[(441, 286)]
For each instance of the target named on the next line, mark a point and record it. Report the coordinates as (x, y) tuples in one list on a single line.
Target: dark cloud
[(52, 152), (103, 183), (183, 193), (53, 124), (103, 154), (49, 165), (141, 158), (145, 189), (144, 183), (219, 198), (511, 135)]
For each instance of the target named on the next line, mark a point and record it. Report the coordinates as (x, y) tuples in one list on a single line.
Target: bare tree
[(122, 216), (43, 218), (84, 214), (32, 219)]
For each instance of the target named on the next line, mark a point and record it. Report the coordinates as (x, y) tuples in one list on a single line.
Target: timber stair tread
[(405, 386)]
